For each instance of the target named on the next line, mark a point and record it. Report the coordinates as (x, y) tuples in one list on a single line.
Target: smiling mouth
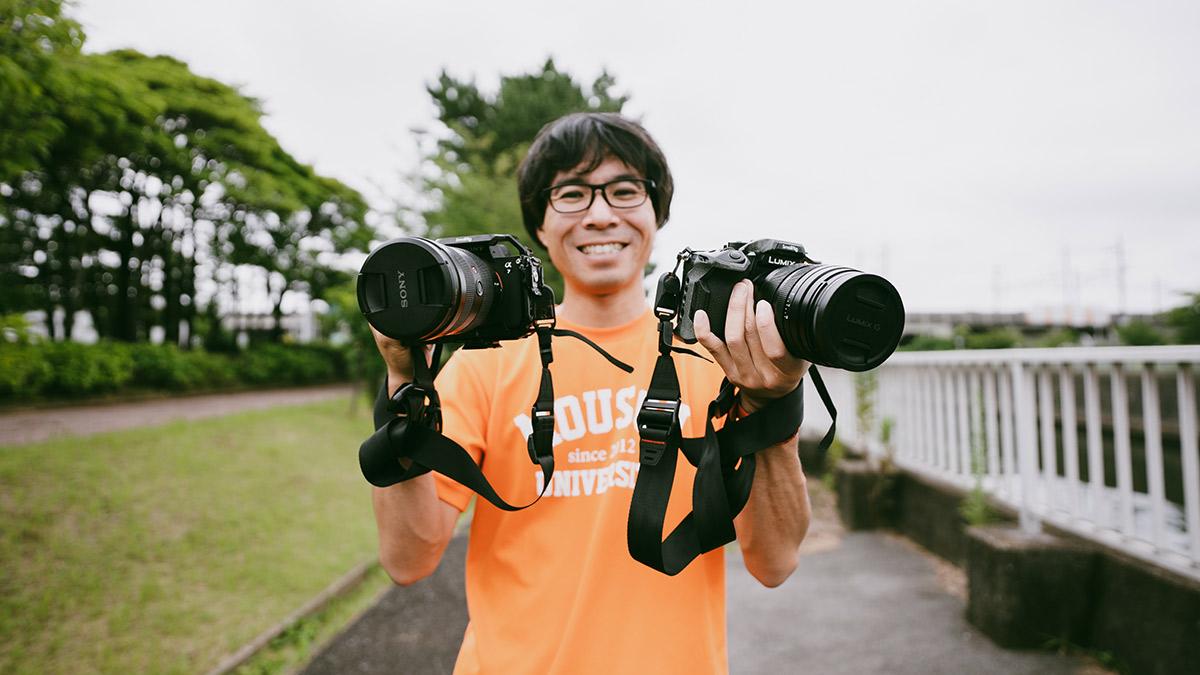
[(600, 249)]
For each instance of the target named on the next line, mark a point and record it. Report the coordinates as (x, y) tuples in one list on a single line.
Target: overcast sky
[(983, 156)]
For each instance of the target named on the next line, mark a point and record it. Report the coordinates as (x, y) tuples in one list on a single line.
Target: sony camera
[(475, 290), (828, 315)]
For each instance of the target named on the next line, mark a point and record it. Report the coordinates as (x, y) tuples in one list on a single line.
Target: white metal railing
[(1099, 441)]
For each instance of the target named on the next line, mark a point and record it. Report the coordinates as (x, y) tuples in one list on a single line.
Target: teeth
[(596, 249)]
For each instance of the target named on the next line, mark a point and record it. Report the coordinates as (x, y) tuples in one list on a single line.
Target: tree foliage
[(1140, 333), (1185, 320), (146, 187), (35, 39), (482, 139)]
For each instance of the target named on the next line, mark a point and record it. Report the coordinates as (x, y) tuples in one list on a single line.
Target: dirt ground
[(30, 426)]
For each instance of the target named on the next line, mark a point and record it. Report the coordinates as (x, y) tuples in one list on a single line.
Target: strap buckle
[(542, 435), (666, 297), (409, 401), (656, 420)]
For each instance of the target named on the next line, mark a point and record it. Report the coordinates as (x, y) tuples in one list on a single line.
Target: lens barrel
[(834, 316), (415, 289)]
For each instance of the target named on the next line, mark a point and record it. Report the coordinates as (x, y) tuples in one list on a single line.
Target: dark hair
[(588, 139)]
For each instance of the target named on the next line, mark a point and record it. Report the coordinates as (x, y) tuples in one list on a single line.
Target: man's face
[(603, 249)]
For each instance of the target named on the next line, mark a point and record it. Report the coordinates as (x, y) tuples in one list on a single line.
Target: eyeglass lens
[(620, 194)]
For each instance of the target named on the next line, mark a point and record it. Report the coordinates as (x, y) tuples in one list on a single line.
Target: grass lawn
[(161, 550)]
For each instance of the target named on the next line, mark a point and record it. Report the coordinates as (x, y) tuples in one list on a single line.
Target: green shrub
[(213, 371), (23, 371), (927, 343), (996, 338), (68, 369), (1139, 333), (1061, 337), (15, 329), (81, 370), (163, 367), (282, 365)]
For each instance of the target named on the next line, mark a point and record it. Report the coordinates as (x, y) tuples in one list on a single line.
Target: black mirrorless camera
[(475, 290), (828, 315)]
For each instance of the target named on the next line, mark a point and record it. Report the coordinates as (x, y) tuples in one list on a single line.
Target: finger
[(772, 342), (769, 375), (768, 333), (712, 343), (735, 322)]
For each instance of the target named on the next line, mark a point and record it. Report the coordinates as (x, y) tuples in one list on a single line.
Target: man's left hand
[(753, 354)]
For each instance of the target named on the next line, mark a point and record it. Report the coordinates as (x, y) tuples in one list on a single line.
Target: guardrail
[(1098, 441)]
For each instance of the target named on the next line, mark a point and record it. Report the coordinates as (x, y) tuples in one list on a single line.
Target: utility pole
[(1120, 276), (1066, 280), (997, 286)]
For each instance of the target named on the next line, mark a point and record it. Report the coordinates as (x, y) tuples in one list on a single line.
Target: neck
[(602, 310)]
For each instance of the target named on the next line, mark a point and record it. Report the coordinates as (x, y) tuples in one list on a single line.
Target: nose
[(600, 214)]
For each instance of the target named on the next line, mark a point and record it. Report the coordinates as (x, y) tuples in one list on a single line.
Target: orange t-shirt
[(553, 589)]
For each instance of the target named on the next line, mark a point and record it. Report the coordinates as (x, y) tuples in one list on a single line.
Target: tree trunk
[(125, 300), (277, 315), (187, 286), (69, 280)]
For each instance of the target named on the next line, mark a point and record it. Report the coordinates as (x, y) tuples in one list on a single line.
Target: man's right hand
[(414, 524), (398, 359)]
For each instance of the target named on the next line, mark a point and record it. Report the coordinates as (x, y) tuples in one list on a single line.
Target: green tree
[(1140, 333), (482, 139), (270, 211), (33, 34), (484, 127), (1185, 320), (140, 176)]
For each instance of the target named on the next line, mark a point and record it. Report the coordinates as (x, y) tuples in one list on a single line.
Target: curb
[(344, 585)]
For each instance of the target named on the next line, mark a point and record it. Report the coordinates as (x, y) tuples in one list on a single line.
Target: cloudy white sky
[(984, 156)]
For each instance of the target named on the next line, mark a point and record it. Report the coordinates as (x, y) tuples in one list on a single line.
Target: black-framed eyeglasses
[(623, 193)]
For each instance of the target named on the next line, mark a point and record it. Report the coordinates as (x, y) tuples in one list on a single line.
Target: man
[(552, 589)]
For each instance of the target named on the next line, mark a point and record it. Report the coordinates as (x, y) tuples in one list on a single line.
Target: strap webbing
[(408, 441), (724, 460)]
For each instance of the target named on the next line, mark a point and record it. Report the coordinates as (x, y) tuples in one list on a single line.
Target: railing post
[(1022, 386), (1186, 387)]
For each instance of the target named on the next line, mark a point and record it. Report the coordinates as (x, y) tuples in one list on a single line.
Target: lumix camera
[(828, 315), (475, 290)]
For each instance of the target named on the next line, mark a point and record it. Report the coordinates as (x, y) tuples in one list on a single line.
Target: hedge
[(72, 370)]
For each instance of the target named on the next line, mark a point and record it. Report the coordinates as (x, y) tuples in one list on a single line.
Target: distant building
[(298, 327), (1100, 324)]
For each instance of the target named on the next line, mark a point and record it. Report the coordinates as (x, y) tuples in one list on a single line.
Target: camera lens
[(834, 316), (412, 288)]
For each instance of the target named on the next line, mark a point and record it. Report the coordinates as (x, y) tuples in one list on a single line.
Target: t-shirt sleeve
[(464, 418)]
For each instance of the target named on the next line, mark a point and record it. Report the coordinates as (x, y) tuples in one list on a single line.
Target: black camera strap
[(724, 460), (408, 440)]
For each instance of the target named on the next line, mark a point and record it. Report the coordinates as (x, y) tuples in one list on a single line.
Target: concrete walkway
[(31, 426), (859, 603)]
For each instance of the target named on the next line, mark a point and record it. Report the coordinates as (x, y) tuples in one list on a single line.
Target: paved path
[(859, 603), (31, 426)]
